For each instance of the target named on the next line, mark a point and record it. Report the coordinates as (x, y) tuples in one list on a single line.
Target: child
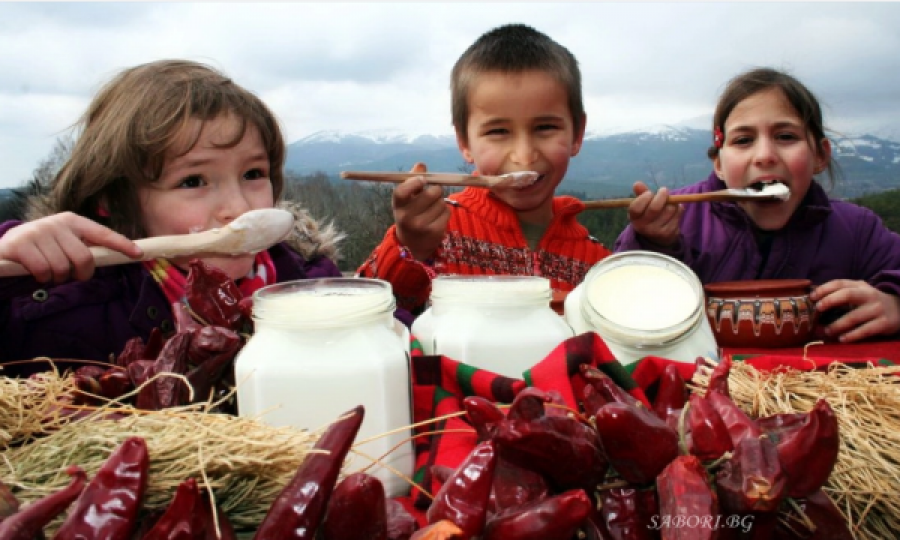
[(168, 147), (768, 128), (516, 106)]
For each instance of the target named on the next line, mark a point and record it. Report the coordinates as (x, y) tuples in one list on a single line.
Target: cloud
[(362, 66)]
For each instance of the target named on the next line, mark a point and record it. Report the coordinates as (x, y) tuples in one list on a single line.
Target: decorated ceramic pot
[(768, 313)]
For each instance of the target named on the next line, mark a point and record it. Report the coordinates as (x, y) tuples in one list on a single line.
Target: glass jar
[(321, 347), (503, 324), (643, 303)]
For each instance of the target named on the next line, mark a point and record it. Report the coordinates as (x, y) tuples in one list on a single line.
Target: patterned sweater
[(484, 238)]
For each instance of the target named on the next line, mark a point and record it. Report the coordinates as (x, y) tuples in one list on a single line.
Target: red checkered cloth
[(440, 384)]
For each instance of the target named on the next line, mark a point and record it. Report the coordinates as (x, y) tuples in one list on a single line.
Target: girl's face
[(521, 122), (766, 141), (209, 186)]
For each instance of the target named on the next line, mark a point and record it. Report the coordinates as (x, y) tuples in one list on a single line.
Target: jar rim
[(312, 285), (491, 289), (319, 301), (645, 336)]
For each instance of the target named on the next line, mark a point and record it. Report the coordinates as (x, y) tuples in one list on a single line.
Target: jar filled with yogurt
[(503, 324), (321, 347), (643, 303)]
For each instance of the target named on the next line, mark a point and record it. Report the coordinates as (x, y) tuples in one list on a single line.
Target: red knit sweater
[(484, 238)]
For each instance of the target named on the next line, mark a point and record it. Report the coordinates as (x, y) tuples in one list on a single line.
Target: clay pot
[(768, 313)]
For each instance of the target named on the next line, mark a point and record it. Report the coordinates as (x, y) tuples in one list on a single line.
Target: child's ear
[(579, 137), (717, 167), (463, 145), (824, 158)]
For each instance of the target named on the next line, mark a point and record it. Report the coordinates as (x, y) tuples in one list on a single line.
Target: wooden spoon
[(768, 192), (514, 179), (250, 232)]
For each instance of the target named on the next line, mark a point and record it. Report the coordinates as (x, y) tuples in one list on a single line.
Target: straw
[(865, 482)]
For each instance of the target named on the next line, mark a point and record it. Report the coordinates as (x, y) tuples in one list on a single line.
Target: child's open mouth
[(776, 188)]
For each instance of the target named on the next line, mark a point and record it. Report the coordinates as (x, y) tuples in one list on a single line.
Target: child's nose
[(765, 151), (232, 203), (524, 151)]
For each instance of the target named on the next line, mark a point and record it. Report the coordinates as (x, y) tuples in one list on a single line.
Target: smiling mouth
[(536, 182)]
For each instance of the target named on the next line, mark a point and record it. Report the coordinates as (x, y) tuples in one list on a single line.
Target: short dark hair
[(514, 48)]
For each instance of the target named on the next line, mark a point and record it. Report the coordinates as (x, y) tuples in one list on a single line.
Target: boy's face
[(521, 122), (209, 186)]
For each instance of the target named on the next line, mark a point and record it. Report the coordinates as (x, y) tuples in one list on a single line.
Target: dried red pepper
[(808, 454), (709, 437), (31, 520), (564, 450), (356, 510), (556, 517), (214, 296), (688, 506), (298, 510), (753, 479), (592, 401), (400, 523), (628, 513), (606, 386), (212, 352), (637, 443), (115, 383), (483, 414), (164, 391), (718, 379), (108, 506), (177, 521), (736, 420), (532, 403), (514, 486), (671, 394), (827, 520), (212, 527), (463, 498)]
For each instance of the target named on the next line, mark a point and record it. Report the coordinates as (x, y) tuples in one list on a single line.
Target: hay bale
[(242, 461), (866, 478)]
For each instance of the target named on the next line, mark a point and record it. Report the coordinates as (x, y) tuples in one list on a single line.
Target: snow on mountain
[(376, 136)]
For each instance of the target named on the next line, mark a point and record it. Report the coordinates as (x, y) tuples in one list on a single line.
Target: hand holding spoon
[(250, 232)]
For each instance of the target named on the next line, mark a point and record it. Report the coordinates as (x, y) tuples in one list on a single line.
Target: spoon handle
[(102, 257), (153, 247), (723, 195), (444, 179)]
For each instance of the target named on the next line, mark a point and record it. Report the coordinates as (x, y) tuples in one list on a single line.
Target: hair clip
[(718, 137)]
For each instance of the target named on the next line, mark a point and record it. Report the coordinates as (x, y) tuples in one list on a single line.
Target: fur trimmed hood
[(310, 238)]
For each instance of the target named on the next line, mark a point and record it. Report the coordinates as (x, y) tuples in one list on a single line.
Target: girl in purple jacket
[(767, 127), (168, 147)]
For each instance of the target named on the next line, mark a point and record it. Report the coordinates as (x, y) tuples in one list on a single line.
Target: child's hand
[(652, 217), (56, 248), (871, 312), (421, 215)]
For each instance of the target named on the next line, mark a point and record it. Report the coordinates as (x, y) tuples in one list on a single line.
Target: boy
[(516, 106)]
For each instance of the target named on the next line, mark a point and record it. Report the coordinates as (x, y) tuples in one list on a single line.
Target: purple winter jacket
[(825, 239), (91, 320)]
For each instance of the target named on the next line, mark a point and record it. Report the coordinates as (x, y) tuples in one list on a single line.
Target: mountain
[(608, 164)]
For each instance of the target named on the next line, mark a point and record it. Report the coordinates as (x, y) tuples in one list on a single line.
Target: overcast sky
[(364, 66)]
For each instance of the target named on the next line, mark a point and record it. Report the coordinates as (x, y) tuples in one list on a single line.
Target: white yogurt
[(503, 324), (642, 304), (322, 347)]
